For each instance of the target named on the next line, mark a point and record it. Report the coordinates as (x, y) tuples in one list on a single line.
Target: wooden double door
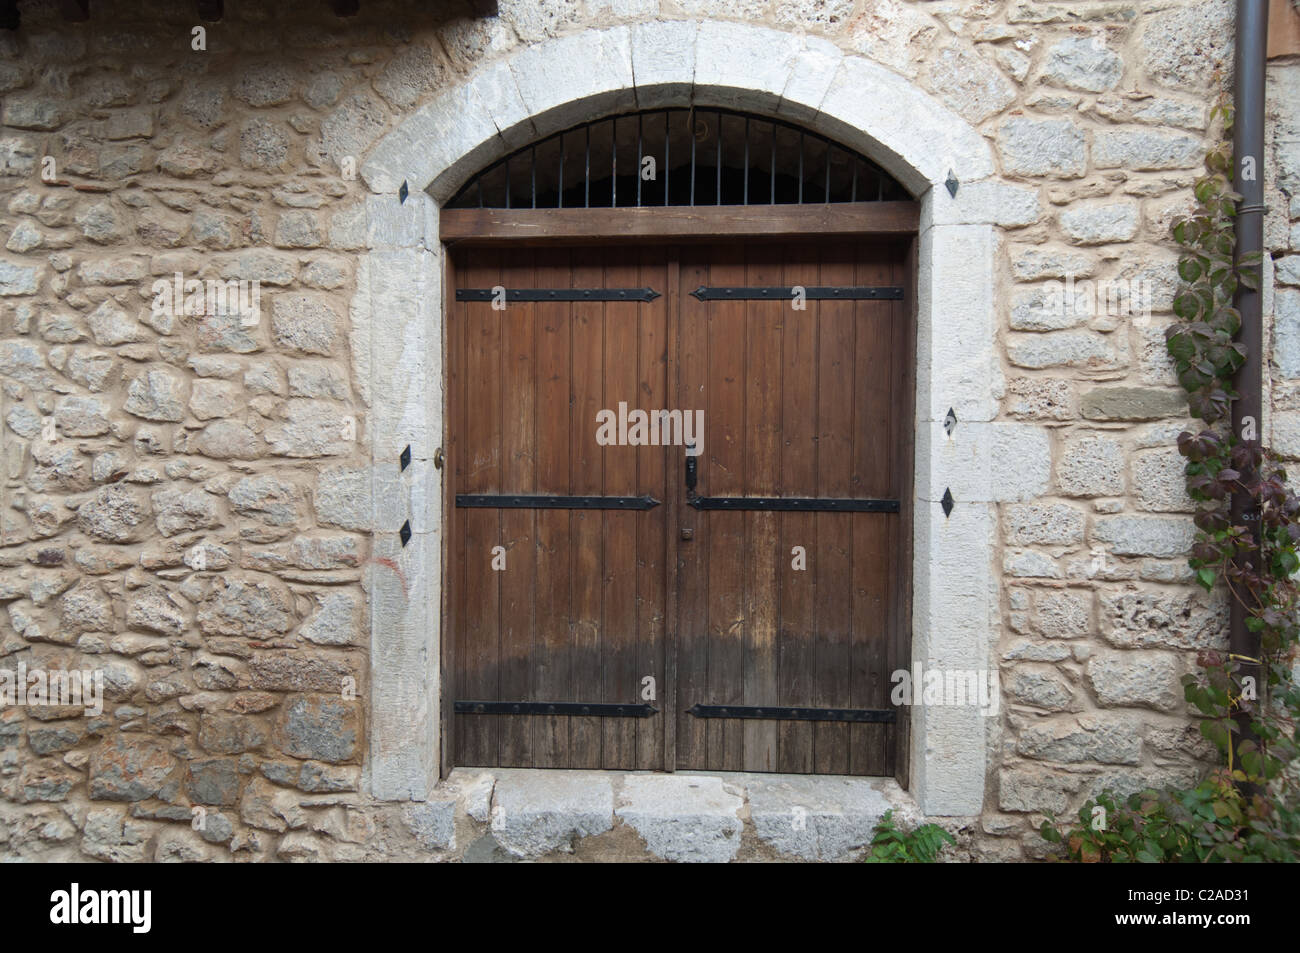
[(618, 599)]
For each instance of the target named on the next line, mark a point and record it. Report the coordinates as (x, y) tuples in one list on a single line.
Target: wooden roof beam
[(211, 11)]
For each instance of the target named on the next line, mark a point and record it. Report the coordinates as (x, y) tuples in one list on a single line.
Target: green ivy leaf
[(1187, 305)]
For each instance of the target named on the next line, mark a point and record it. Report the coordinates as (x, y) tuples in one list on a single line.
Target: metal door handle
[(692, 475)]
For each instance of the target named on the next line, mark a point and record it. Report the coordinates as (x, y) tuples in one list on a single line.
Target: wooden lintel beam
[(677, 222)]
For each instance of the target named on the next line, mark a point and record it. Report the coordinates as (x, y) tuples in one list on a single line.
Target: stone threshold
[(482, 815)]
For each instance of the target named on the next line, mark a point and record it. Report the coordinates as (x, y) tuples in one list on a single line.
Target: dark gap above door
[(679, 157)]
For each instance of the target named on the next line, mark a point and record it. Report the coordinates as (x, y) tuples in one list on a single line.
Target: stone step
[(520, 814)]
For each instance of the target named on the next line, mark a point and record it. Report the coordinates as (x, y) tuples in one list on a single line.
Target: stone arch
[(549, 86), (397, 341)]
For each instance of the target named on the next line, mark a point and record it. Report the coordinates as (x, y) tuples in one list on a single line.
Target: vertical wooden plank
[(463, 462), (874, 439), (674, 511), (764, 323), (587, 479), (479, 734), (553, 679), (453, 356), (620, 626), (691, 654), (797, 639), (836, 424), (905, 373), (722, 474), (518, 475), (651, 525)]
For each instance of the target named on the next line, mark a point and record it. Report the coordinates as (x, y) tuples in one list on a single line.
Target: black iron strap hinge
[(789, 293), (793, 504), (572, 709), (516, 502), (884, 716), (557, 294)]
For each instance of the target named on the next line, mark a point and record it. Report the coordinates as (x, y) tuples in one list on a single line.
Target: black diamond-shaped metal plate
[(402, 193), (405, 533), (405, 459), (947, 502)]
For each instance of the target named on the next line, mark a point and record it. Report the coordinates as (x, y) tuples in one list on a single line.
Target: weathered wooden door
[(610, 606), (784, 608), (550, 604)]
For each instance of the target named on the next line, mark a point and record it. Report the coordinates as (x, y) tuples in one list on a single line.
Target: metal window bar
[(637, 170), (668, 168), (746, 193), (828, 175), (613, 154), (717, 191), (690, 130), (773, 200), (801, 168)]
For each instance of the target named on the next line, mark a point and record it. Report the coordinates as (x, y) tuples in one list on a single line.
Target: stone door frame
[(397, 342)]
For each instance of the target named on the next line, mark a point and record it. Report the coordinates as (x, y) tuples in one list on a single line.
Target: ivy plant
[(1249, 807)]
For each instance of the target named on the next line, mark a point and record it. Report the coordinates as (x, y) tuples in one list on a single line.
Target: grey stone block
[(433, 823), (688, 818), (537, 812), (815, 818)]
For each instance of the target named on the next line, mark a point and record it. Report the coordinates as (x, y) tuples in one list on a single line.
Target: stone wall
[(186, 503)]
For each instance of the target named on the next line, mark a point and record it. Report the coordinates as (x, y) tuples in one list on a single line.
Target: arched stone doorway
[(398, 332)]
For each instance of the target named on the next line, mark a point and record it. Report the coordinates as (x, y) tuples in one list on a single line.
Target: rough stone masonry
[(185, 503)]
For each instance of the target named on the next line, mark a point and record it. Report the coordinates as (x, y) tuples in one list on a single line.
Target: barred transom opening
[(679, 157)]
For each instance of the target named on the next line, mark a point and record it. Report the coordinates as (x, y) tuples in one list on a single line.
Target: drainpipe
[(1248, 181)]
